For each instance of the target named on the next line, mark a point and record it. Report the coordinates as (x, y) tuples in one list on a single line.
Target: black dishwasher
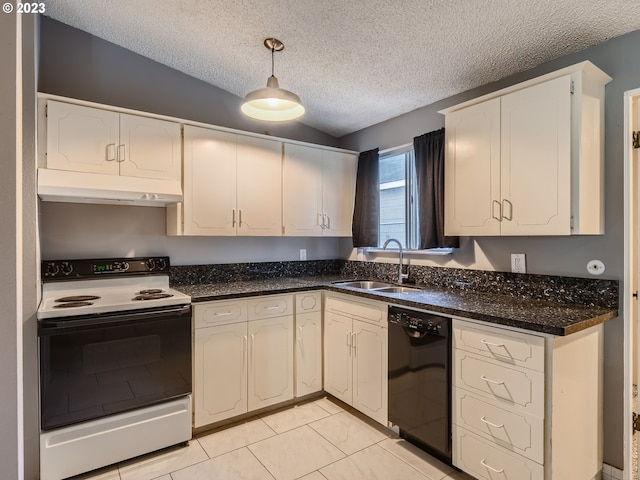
[(420, 379)]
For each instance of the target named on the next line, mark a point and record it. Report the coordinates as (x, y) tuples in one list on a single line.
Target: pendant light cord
[(272, 61)]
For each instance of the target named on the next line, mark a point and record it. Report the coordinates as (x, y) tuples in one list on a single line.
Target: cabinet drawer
[(487, 461), (219, 313), (372, 312), (308, 302), (517, 432), (270, 306), (510, 386), (503, 345)]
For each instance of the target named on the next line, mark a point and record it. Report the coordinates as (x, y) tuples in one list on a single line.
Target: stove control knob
[(66, 268), (151, 264), (52, 270), (162, 264)]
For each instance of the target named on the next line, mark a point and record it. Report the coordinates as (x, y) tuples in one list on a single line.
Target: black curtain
[(366, 211), (429, 155)]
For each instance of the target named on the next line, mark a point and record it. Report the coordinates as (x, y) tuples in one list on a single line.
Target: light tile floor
[(319, 440)]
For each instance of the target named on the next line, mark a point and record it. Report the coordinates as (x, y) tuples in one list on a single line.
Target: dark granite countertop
[(535, 315)]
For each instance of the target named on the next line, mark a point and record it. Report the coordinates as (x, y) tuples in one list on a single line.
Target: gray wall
[(76, 64), (74, 230), (549, 255)]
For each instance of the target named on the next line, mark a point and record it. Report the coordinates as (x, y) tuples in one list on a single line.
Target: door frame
[(630, 256)]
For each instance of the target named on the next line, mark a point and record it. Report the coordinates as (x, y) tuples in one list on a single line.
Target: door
[(472, 170), (370, 370), (302, 191), (220, 373), (338, 192), (149, 148), (209, 182), (259, 187), (536, 159), (337, 356), (81, 139), (270, 361), (308, 353)]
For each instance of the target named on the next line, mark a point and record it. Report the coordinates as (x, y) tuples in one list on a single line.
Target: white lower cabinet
[(526, 406), (308, 345), (355, 354), (220, 373), (243, 356)]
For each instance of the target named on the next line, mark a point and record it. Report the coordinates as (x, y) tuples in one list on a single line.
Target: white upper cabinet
[(259, 191), (149, 148), (318, 191), (528, 160), (92, 140), (232, 184)]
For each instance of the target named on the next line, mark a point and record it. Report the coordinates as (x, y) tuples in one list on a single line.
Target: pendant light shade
[(272, 103)]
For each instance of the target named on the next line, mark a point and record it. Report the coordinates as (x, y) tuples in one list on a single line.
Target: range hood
[(80, 187)]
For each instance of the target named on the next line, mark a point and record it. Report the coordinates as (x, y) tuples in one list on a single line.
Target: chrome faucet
[(401, 276)]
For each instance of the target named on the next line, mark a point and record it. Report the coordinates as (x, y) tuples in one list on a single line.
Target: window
[(398, 198)]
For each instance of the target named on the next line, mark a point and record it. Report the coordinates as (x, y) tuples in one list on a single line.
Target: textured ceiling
[(354, 63)]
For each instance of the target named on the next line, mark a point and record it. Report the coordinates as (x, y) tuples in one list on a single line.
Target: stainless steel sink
[(394, 289), (364, 284)]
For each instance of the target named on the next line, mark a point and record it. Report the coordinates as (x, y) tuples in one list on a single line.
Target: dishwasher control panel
[(419, 321)]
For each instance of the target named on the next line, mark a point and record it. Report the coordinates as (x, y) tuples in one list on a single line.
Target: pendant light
[(273, 104)]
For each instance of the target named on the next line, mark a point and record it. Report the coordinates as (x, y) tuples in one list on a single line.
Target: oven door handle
[(57, 326)]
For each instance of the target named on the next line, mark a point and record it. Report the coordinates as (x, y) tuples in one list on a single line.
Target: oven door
[(98, 365)]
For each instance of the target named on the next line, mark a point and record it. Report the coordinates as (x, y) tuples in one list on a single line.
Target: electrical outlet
[(518, 264), (303, 254)]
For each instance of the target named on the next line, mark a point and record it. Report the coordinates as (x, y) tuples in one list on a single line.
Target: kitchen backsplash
[(555, 289)]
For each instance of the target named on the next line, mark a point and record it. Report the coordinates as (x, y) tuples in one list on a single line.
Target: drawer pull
[(484, 464), (273, 307), (223, 314), (491, 424), (488, 380), (489, 344)]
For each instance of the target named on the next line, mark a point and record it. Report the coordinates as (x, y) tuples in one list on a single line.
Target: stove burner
[(78, 298), (152, 296), (150, 291), (70, 304)]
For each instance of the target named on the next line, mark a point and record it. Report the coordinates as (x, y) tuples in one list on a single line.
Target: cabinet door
[(536, 159), (209, 182), (270, 361), (259, 187), (149, 148), (302, 191), (370, 370), (308, 353), (472, 170), (337, 356), (338, 192), (220, 373), (81, 139)]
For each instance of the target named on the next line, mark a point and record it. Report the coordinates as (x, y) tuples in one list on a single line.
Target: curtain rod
[(399, 147)]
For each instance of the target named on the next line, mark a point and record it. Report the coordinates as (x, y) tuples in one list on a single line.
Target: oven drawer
[(515, 431), (511, 386), (219, 313), (503, 345), (484, 460), (270, 306)]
